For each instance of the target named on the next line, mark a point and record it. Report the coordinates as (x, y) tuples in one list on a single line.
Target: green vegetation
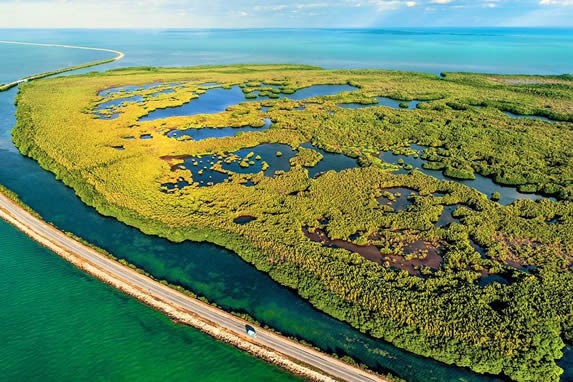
[(428, 289), (4, 87)]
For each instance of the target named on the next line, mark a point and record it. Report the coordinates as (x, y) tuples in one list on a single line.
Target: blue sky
[(282, 13)]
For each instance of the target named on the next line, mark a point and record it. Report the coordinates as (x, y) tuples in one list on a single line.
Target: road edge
[(118, 56), (177, 314)]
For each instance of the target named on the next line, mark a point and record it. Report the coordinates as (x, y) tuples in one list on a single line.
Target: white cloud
[(280, 13), (556, 2), (391, 5), (312, 6)]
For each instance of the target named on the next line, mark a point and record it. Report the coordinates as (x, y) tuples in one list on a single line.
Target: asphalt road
[(292, 349), (119, 56)]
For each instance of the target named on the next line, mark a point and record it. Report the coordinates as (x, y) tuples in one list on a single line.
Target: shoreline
[(175, 304), (118, 56)]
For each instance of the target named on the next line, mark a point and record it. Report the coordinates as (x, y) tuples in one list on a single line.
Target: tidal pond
[(128, 89), (217, 100), (420, 252), (214, 169), (329, 161), (108, 109), (268, 157), (522, 116), (397, 197), (480, 183), (383, 101), (216, 132)]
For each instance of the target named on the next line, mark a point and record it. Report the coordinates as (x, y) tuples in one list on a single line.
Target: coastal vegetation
[(7, 86), (432, 266)]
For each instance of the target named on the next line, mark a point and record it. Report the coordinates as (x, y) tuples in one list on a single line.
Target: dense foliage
[(389, 284)]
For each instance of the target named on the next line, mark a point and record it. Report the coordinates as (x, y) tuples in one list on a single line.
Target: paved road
[(118, 56), (318, 360)]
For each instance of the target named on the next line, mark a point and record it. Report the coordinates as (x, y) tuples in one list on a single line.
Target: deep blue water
[(209, 270), (501, 50)]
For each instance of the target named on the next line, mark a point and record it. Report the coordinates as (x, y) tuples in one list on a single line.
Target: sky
[(283, 13)]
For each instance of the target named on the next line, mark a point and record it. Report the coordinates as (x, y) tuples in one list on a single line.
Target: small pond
[(245, 161), (217, 100), (214, 132), (447, 218), (382, 101), (486, 280), (400, 199), (106, 110), (242, 220), (480, 183), (329, 161), (521, 116), (128, 89), (432, 259)]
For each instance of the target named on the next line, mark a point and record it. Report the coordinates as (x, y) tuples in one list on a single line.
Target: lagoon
[(217, 100), (216, 132)]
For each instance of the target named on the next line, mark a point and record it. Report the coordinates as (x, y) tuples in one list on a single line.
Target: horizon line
[(295, 28)]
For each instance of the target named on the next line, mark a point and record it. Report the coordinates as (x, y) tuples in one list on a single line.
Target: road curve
[(113, 273), (118, 56)]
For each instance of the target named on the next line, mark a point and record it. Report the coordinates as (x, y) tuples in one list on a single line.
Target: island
[(434, 212)]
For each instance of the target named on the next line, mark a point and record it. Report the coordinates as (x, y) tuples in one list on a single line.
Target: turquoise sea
[(57, 323)]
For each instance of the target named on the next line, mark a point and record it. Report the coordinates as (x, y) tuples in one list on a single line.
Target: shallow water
[(110, 106), (202, 173), (400, 199), (330, 161), (382, 101), (433, 50), (276, 156), (217, 100), (217, 132), (480, 183), (128, 89), (60, 324), (447, 218), (520, 116)]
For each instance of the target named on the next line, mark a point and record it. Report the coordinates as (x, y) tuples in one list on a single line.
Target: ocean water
[(206, 269), (498, 50), (60, 324)]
